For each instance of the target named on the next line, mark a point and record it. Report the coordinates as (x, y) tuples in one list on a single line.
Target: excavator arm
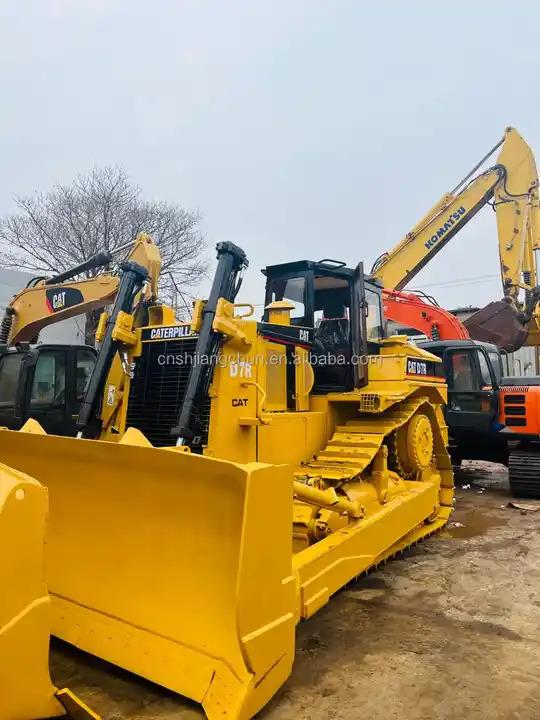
[(511, 187), (48, 301)]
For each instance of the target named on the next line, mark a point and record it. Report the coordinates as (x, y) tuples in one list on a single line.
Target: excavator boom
[(430, 319), (35, 308)]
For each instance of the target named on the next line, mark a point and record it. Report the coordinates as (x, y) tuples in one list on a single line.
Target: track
[(353, 447), (524, 473)]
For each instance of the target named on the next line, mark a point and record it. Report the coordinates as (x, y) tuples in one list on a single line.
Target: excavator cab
[(473, 373), (344, 310), (45, 382)]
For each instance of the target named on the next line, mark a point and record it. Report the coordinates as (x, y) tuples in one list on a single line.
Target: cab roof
[(327, 266), (321, 267)]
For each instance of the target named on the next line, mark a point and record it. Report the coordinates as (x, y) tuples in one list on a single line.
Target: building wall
[(68, 331)]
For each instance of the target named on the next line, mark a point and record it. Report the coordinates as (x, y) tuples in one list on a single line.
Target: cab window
[(49, 384), (293, 290), (462, 372), (331, 350), (85, 364), (484, 370), (374, 321), (496, 364), (10, 366)]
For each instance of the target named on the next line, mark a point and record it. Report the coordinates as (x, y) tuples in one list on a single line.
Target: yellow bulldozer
[(230, 475)]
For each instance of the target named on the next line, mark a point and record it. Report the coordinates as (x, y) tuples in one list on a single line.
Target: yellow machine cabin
[(232, 474)]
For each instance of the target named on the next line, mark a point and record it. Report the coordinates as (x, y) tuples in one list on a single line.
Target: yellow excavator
[(46, 381), (511, 188), (230, 475), (489, 416)]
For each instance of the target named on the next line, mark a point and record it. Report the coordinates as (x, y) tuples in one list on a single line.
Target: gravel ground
[(450, 630)]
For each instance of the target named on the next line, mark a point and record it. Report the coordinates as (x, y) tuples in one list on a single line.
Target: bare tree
[(54, 231)]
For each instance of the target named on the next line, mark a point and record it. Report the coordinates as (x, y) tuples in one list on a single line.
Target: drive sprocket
[(411, 446)]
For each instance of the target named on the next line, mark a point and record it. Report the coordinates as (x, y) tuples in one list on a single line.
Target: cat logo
[(59, 300), (416, 367)]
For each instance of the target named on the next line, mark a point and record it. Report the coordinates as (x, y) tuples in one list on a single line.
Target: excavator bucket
[(498, 323), (26, 690), (172, 565)]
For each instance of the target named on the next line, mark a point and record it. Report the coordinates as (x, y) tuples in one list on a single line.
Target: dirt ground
[(449, 630)]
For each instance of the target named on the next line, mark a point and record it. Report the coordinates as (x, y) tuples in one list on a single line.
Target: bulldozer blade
[(174, 566), (498, 323), (26, 690)]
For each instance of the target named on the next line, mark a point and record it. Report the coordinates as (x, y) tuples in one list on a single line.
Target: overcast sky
[(299, 128)]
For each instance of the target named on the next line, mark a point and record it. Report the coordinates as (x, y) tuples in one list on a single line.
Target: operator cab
[(44, 382), (473, 372), (343, 309)]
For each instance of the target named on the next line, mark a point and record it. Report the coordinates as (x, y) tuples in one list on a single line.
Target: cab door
[(46, 382), (472, 390), (55, 380), (10, 374), (359, 313)]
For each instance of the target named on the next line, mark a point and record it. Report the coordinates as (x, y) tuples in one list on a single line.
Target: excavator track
[(524, 473)]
